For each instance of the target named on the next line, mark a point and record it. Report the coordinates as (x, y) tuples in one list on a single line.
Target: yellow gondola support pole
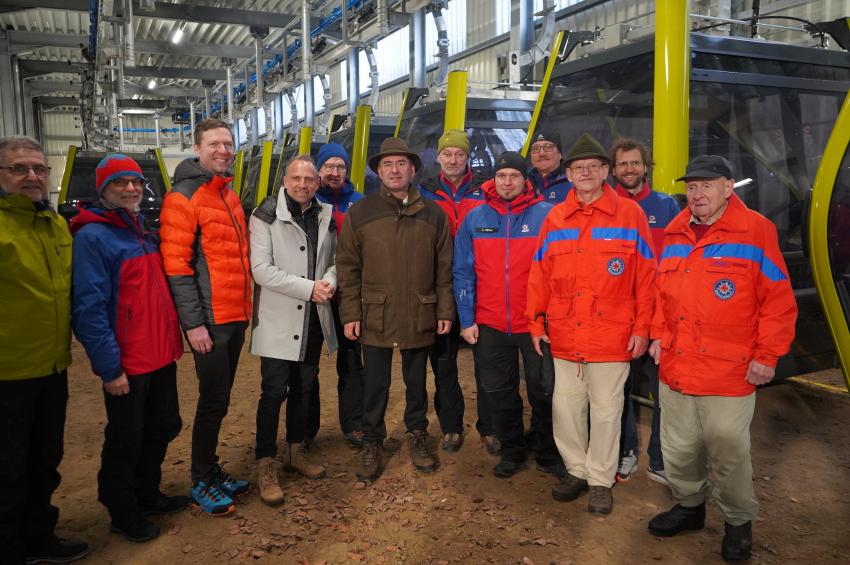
[(306, 141), (671, 94), (70, 157), (830, 165), (401, 114), (238, 164), (544, 88), (265, 169), (162, 170), (359, 153), (456, 101)]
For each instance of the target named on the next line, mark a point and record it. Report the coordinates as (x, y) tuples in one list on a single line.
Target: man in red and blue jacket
[(493, 254), (548, 175), (123, 314), (335, 189), (631, 163)]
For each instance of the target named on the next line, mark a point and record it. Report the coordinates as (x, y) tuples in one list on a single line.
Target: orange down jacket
[(204, 246), (724, 301), (592, 278)]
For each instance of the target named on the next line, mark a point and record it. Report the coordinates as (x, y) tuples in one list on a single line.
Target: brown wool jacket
[(394, 270)]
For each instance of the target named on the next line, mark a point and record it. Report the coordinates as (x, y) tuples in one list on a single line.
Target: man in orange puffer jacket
[(205, 252)]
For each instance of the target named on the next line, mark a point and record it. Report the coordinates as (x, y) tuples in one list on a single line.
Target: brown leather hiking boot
[(569, 488), (370, 462), (600, 501), (417, 440), (492, 444), (295, 461), (451, 442), (270, 491)]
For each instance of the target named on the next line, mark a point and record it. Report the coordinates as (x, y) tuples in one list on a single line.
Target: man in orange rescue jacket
[(726, 314), (205, 251), (591, 292)]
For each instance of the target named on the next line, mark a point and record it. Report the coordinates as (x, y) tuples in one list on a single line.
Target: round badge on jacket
[(724, 289), (616, 266)]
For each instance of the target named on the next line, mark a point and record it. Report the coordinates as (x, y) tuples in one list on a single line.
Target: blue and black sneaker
[(228, 484), (211, 499)]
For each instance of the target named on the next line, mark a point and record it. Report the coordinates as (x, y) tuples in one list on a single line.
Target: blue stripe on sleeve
[(748, 252), (625, 234), (554, 237)]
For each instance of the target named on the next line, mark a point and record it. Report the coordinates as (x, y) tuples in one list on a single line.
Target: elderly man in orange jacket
[(726, 314), (591, 292)]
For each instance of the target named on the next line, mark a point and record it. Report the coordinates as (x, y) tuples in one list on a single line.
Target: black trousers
[(484, 424), (377, 375), (349, 370), (294, 382), (32, 425), (139, 427), (216, 371), (448, 397), (497, 360)]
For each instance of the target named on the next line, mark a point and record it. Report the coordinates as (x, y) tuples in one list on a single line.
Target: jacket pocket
[(615, 310), (373, 311), (426, 317), (725, 349), (559, 309)]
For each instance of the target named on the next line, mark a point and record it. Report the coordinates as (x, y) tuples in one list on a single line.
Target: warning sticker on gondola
[(724, 289), (616, 266)]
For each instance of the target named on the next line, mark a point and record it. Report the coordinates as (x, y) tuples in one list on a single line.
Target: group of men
[(546, 262)]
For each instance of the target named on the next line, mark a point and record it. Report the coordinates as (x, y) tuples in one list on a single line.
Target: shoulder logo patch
[(525, 228), (724, 289), (552, 195), (616, 266)]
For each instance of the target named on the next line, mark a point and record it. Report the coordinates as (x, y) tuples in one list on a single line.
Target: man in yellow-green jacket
[(35, 333)]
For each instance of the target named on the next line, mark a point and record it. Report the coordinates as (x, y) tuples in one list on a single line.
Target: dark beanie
[(512, 160), (329, 150), (547, 134)]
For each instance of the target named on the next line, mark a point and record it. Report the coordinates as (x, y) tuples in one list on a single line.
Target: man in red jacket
[(591, 292), (726, 314)]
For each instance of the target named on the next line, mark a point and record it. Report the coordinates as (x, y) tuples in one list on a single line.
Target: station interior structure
[(763, 83)]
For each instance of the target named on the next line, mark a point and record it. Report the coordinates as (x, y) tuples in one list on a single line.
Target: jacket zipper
[(507, 270), (241, 258)]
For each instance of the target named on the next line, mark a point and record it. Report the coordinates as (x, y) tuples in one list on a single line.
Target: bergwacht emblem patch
[(724, 289), (616, 266)]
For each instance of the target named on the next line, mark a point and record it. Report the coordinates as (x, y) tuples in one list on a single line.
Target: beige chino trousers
[(702, 434), (597, 388)]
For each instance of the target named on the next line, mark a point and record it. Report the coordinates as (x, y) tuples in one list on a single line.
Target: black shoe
[(678, 519), (505, 469), (601, 501), (58, 550), (138, 530), (370, 462), (354, 439), (163, 505), (492, 444), (557, 468), (738, 542), (569, 488)]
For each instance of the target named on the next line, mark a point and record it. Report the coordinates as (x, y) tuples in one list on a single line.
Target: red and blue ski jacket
[(494, 248), (341, 201), (456, 201), (122, 310), (660, 209), (553, 187)]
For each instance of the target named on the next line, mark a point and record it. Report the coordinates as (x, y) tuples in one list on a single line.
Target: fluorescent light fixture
[(177, 37), (742, 183), (152, 84)]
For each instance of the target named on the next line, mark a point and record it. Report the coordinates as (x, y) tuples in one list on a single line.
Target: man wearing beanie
[(453, 187), (205, 253), (547, 174), (591, 292), (493, 252), (124, 316), (335, 189)]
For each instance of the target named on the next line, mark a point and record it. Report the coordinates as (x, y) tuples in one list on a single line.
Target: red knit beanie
[(113, 166)]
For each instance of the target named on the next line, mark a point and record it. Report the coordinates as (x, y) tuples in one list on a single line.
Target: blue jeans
[(643, 367)]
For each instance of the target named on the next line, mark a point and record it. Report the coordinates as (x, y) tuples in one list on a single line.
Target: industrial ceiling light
[(152, 84), (178, 34)]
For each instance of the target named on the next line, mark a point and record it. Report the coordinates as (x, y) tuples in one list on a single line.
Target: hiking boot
[(569, 488), (228, 484), (738, 542), (211, 499), (505, 469), (557, 468), (657, 475), (267, 482), (57, 550), (417, 440), (600, 501), (451, 442), (678, 519), (163, 505), (295, 461), (628, 463), (370, 462), (492, 444), (354, 439), (135, 529)]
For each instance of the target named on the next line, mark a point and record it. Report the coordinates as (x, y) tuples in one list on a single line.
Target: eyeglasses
[(21, 171), (543, 148), (591, 168), (124, 182), (333, 168)]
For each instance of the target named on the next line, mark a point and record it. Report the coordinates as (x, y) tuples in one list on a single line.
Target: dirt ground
[(461, 513)]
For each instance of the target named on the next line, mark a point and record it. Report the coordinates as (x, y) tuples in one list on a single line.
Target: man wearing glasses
[(547, 173), (35, 330), (335, 189), (591, 292)]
